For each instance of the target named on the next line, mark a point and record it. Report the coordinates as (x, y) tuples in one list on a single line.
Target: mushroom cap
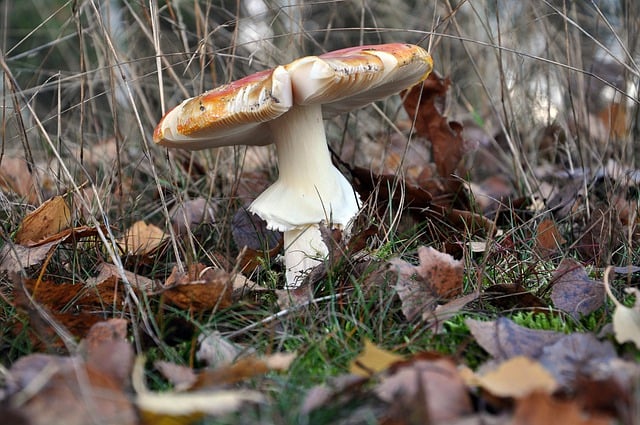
[(232, 114), (342, 80)]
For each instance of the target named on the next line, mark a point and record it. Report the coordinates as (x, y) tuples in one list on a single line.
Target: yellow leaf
[(372, 360), (516, 377)]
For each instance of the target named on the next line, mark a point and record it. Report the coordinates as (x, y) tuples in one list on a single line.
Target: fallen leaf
[(573, 291), (201, 288), (372, 360), (15, 177), (517, 377), (48, 219), (448, 146), (334, 390), (503, 339), (188, 407), (185, 408), (438, 275), (107, 271), (548, 238), (15, 258), (243, 368), (190, 214), (626, 320), (217, 351), (434, 384), (444, 312), (181, 377), (70, 390), (577, 355), (142, 239), (542, 409), (251, 231)]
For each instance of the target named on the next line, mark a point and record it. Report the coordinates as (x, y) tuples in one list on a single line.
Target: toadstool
[(286, 105)]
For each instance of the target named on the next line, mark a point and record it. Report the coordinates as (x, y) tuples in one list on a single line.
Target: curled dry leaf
[(626, 320), (516, 377), (447, 143), (48, 219), (438, 275), (573, 291)]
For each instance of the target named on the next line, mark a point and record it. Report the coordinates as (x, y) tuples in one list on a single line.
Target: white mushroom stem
[(309, 190), (304, 249)]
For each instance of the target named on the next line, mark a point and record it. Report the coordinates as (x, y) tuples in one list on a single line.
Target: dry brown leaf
[(107, 271), (372, 360), (434, 384), (548, 238), (201, 288), (142, 239), (181, 377), (15, 177), (542, 409), (504, 339), (15, 258), (438, 275), (48, 219), (573, 291), (69, 390), (578, 355), (244, 368), (516, 377), (447, 143), (217, 351), (188, 215)]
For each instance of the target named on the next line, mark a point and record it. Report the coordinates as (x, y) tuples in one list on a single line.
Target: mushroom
[(286, 105)]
